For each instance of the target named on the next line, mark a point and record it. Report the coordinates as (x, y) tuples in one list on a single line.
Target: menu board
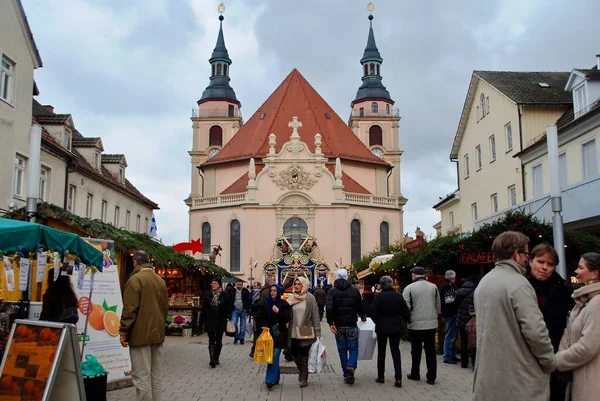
[(38, 355), (29, 360)]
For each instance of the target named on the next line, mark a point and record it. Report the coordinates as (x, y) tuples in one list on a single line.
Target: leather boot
[(297, 362), (218, 348), (304, 371), (211, 353)]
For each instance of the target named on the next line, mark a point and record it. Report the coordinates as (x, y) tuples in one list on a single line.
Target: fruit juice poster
[(104, 314), (29, 360)]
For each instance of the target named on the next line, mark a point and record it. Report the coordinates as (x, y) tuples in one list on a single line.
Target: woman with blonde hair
[(305, 326), (579, 349)]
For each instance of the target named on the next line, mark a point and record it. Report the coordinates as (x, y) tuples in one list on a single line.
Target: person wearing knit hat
[(344, 304)]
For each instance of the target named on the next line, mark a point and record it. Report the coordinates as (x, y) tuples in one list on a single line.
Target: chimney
[(49, 107), (598, 61)]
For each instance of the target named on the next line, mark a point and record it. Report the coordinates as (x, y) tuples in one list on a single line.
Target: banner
[(104, 309)]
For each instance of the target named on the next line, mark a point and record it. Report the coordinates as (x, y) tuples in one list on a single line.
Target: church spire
[(219, 88), (372, 87)]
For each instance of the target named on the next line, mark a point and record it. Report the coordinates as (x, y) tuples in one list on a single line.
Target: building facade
[(294, 184), (504, 113)]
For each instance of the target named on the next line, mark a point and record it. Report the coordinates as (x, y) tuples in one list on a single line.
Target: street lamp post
[(556, 199)]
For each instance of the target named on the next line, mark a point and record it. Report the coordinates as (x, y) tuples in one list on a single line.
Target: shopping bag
[(366, 339), (250, 329), (317, 357), (263, 351), (230, 331)]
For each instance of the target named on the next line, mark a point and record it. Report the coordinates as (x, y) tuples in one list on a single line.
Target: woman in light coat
[(305, 312), (579, 349)]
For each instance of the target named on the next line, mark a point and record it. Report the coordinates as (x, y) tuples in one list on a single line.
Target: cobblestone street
[(187, 377)]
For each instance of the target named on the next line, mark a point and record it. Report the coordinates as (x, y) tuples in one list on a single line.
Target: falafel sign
[(103, 313)]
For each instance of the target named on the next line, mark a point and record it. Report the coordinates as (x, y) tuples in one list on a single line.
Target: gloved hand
[(123, 339)]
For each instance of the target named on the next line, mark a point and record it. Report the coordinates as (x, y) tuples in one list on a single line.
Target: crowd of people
[(527, 333)]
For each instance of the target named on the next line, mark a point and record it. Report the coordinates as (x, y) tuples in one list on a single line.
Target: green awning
[(16, 236)]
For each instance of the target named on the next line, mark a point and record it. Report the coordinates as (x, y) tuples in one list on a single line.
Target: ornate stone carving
[(294, 177), (295, 200)]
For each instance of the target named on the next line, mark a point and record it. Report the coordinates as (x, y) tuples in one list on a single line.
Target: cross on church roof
[(294, 125)]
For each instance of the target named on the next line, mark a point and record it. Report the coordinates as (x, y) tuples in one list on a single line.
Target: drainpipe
[(519, 110), (67, 172), (556, 199), (388, 182)]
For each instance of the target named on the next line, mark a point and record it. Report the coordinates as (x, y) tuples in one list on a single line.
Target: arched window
[(372, 69), (225, 69), (206, 238), (387, 109), (295, 229), (366, 69), (377, 69), (375, 136), (215, 136), (354, 241), (483, 108), (384, 237), (374, 107), (234, 246), (218, 69), (213, 70)]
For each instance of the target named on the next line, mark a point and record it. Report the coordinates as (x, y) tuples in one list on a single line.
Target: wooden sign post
[(41, 363)]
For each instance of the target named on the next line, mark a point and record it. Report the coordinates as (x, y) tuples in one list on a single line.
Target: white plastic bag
[(249, 329), (317, 357)]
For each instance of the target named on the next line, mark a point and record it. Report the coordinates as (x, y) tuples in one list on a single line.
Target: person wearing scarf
[(274, 313), (579, 350), (305, 312), (216, 308)]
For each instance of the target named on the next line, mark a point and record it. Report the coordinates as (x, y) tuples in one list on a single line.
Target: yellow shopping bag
[(263, 352)]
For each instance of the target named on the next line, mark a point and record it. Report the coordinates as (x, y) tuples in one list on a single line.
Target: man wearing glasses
[(514, 353)]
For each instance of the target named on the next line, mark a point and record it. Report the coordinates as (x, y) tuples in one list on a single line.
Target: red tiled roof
[(295, 97), (350, 184), (240, 184)]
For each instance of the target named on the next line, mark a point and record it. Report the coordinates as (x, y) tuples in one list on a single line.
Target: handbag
[(230, 331), (305, 333), (276, 333)]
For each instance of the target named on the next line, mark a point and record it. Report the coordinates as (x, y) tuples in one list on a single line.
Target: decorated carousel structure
[(296, 254)]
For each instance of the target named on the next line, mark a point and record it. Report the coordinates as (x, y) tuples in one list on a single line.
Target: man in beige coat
[(514, 353), (145, 308)]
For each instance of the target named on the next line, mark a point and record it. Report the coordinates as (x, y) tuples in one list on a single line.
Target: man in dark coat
[(449, 309), (554, 299), (344, 305), (321, 298), (464, 300)]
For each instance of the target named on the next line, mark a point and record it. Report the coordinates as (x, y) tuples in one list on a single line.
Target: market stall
[(184, 288)]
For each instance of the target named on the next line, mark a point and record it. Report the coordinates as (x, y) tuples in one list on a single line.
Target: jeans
[(382, 339), (418, 340), (347, 345), (272, 375), (239, 315), (449, 339), (146, 371)]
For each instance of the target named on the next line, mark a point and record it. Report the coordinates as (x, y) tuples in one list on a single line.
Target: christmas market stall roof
[(20, 236)]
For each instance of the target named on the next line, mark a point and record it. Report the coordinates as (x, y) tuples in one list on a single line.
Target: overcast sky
[(131, 71)]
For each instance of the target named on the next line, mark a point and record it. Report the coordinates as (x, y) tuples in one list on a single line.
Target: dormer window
[(66, 142), (580, 98), (122, 175), (97, 161)]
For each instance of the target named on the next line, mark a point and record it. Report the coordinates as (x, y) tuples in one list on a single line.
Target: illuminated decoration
[(297, 258)]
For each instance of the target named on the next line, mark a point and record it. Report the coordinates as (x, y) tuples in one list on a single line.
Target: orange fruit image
[(6, 382), (96, 318), (111, 323), (45, 334), (29, 387), (21, 331)]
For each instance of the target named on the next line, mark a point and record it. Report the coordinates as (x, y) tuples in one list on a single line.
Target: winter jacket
[(320, 297), (388, 309), (448, 299), (145, 307), (423, 300), (267, 318), (344, 304), (464, 300), (555, 301), (579, 349), (368, 297), (310, 318), (514, 353), (215, 320), (246, 299)]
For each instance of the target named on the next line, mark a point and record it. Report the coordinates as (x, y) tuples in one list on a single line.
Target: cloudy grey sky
[(131, 71)]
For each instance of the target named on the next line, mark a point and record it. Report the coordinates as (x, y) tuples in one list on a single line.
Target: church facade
[(294, 190)]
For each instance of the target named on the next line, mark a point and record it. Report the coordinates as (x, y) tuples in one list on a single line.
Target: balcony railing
[(220, 200), (216, 113), (363, 199), (370, 113)]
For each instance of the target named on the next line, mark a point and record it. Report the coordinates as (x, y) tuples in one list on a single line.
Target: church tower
[(373, 119), (217, 118)]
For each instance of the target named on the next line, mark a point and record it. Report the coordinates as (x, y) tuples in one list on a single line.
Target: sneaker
[(349, 376)]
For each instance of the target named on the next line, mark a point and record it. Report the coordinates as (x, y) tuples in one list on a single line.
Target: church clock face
[(377, 152), (212, 153)]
